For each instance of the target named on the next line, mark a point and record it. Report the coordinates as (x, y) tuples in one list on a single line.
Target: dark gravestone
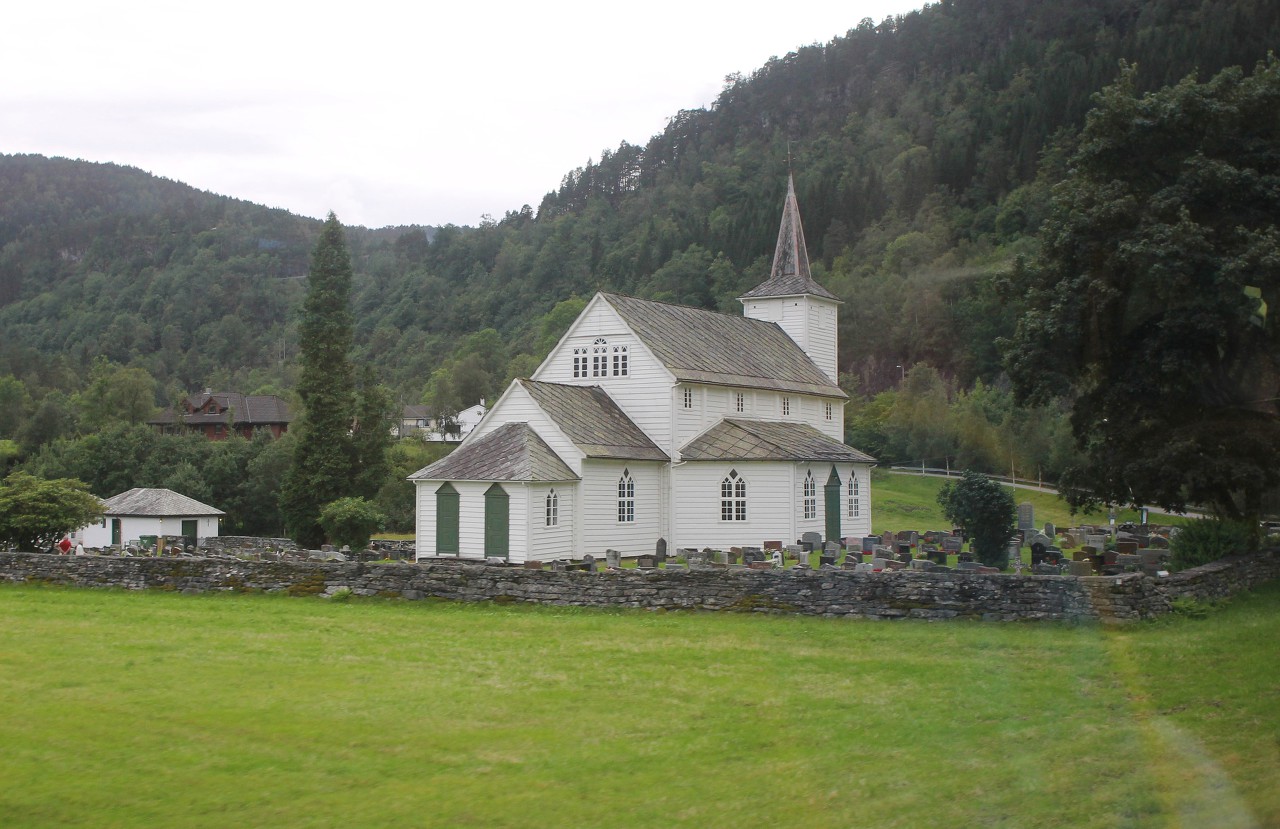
[(646, 562), (1026, 516), (660, 550), (869, 543)]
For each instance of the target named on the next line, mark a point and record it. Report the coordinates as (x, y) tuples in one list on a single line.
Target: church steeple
[(790, 274), (801, 307)]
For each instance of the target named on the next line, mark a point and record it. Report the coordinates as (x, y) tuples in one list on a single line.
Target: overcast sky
[(386, 113)]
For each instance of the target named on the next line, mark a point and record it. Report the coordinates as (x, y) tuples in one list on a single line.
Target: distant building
[(142, 513), (423, 423), (218, 415)]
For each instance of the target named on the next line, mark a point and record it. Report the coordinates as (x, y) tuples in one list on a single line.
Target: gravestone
[(1046, 570), (660, 551), (776, 559), (869, 543), (589, 563), (1050, 530), (921, 564), (879, 563), (952, 544), (1026, 516), (863, 567), (613, 559), (811, 541), (1080, 568), (721, 559), (773, 545), (646, 562)]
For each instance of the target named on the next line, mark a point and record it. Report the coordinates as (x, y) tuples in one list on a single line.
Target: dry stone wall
[(832, 593)]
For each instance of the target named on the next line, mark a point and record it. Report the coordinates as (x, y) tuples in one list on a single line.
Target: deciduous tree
[(1153, 300), (35, 513)]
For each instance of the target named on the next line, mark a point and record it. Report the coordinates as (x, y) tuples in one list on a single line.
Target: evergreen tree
[(323, 458)]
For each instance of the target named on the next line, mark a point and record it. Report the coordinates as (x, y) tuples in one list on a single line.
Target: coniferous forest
[(925, 150)]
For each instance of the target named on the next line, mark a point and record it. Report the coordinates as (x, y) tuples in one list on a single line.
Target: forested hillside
[(923, 148)]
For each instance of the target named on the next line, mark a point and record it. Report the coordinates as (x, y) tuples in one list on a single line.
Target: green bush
[(350, 521), (1200, 542), (985, 511)]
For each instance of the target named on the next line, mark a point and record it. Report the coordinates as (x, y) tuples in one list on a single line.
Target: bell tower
[(801, 307)]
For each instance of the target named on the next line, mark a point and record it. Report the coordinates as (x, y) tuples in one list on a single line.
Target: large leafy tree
[(323, 456), (1153, 299), (35, 513)]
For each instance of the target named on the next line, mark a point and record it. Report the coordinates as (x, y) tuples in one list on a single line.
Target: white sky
[(386, 113)]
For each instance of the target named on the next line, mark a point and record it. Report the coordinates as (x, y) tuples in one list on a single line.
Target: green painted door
[(497, 522), (446, 520), (189, 532), (115, 532), (831, 497)]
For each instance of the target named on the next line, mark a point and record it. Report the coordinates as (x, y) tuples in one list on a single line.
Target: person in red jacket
[(64, 546)]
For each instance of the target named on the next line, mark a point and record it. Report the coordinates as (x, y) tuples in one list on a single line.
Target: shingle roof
[(707, 347), (155, 502), (592, 420), (761, 440), (512, 452), (246, 410), (790, 274)]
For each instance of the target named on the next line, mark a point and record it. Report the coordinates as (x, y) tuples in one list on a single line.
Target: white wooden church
[(654, 421)]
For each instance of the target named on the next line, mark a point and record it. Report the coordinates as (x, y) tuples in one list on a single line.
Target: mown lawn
[(153, 709)]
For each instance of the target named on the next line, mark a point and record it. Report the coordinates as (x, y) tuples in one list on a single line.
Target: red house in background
[(216, 415)]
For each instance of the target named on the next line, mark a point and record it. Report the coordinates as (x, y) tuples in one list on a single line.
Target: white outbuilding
[(143, 513)]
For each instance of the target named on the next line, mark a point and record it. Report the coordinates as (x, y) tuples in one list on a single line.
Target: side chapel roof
[(512, 452), (702, 346), (790, 274), (762, 440), (592, 420)]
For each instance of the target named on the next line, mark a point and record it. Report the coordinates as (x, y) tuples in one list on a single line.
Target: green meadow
[(149, 709), (910, 502)]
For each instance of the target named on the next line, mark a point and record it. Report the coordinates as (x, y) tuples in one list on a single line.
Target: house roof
[(790, 274), (702, 346), (592, 420), (246, 410), (156, 503), (512, 452), (416, 412), (762, 440)]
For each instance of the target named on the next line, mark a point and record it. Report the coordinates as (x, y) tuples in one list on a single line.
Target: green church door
[(497, 522), (115, 532), (831, 497), (446, 520)]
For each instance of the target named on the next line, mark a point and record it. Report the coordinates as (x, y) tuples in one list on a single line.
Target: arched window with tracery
[(626, 498), (733, 497)]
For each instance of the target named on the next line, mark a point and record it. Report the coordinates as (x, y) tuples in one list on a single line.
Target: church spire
[(790, 274)]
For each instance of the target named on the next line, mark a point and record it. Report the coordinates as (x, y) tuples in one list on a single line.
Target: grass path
[(150, 709)]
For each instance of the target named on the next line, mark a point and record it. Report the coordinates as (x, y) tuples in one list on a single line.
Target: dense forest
[(924, 150)]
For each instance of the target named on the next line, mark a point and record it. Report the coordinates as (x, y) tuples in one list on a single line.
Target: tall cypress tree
[(324, 458)]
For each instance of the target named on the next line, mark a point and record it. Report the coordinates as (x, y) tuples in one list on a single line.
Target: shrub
[(1200, 542), (350, 521), (986, 512)]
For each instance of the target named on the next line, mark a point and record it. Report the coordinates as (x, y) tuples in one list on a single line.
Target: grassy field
[(153, 709), (908, 502)]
